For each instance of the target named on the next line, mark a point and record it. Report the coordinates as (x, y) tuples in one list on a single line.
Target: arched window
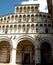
[(28, 9), (32, 27), (11, 28), (24, 18), (3, 28), (7, 29), (23, 28), (28, 27), (32, 9), (8, 18), (16, 17), (32, 18), (19, 28), (12, 17), (20, 9), (24, 9), (17, 9), (20, 18), (15, 28), (28, 18)]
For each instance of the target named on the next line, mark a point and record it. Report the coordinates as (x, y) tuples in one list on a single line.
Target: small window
[(40, 15), (36, 24), (48, 16), (49, 25), (20, 9), (44, 16), (36, 7), (36, 15), (28, 9), (24, 9), (41, 25), (8, 17), (32, 9), (19, 28), (23, 27), (5, 18), (12, 17), (32, 18), (45, 25)]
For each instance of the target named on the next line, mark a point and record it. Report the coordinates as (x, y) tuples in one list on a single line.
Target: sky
[(7, 6)]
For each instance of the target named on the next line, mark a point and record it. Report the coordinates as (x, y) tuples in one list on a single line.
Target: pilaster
[(13, 56), (37, 52)]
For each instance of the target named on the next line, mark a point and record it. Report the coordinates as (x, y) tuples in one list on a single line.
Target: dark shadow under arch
[(45, 53), (4, 52), (25, 53)]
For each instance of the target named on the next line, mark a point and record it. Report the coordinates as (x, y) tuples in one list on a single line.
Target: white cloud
[(43, 4)]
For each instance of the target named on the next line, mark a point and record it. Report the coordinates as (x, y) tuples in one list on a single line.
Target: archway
[(45, 53), (4, 52), (25, 53)]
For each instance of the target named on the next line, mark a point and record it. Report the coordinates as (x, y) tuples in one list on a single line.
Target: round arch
[(25, 50), (46, 40), (24, 37), (46, 55), (5, 47), (4, 38)]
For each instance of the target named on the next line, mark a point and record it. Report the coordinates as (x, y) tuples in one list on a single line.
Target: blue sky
[(7, 6)]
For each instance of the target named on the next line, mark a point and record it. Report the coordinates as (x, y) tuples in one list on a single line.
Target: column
[(13, 56), (37, 52)]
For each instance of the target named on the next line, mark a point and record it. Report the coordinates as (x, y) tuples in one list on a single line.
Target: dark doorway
[(26, 59), (45, 53)]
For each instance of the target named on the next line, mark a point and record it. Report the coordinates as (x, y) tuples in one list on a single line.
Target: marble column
[(13, 56)]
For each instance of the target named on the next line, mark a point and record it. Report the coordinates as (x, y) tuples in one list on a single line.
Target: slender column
[(37, 52), (13, 56)]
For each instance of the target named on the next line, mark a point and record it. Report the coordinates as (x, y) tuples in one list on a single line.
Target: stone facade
[(24, 35)]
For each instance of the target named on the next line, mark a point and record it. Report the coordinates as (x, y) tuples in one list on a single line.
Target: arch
[(16, 16), (8, 17), (4, 38), (46, 39), (46, 55), (25, 50), (5, 47), (28, 27), (24, 37), (4, 18)]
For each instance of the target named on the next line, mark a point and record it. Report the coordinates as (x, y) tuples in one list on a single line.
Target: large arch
[(25, 51), (46, 55), (24, 37), (5, 47)]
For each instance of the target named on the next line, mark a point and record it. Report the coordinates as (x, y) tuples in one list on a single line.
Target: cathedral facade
[(26, 36)]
